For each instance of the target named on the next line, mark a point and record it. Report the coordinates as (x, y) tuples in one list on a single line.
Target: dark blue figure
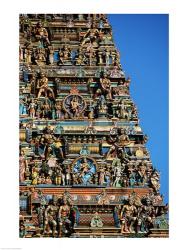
[(116, 218)]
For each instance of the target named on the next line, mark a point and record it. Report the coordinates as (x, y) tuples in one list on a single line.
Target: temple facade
[(84, 169)]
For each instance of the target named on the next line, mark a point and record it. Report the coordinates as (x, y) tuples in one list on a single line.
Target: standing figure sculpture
[(106, 87), (58, 107), (51, 56), (50, 219), (102, 175), (63, 218), (75, 106), (128, 218), (32, 109), (155, 180), (22, 166), (117, 175)]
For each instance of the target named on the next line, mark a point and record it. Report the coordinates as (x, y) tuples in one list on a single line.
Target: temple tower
[(85, 170)]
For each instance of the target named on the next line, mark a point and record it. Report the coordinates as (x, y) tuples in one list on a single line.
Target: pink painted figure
[(22, 166)]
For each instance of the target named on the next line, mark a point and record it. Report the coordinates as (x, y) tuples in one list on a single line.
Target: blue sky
[(142, 40)]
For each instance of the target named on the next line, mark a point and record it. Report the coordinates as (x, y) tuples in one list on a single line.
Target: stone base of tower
[(89, 202), (104, 232), (159, 233)]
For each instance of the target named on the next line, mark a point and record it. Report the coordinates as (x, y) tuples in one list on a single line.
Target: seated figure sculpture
[(41, 33), (40, 57), (123, 139), (84, 150), (123, 111), (43, 86)]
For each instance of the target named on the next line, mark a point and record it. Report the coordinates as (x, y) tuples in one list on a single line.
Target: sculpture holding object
[(84, 170), (122, 111), (40, 56), (23, 164), (65, 224), (74, 105), (41, 34), (43, 87), (91, 36), (64, 55), (105, 87)]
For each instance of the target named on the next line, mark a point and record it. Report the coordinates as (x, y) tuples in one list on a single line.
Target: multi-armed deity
[(84, 168)]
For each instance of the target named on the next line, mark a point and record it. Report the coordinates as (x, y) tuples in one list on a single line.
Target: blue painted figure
[(56, 56), (22, 108), (73, 56), (25, 76), (84, 150), (101, 24), (85, 170), (132, 179), (115, 216)]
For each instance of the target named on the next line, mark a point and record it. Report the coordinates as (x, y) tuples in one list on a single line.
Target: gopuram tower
[(84, 169)]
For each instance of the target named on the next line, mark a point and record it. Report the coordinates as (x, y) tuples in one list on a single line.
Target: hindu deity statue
[(32, 108), (86, 174), (41, 34), (66, 53), (106, 87), (122, 110), (58, 107), (43, 87), (22, 166), (50, 218), (128, 217), (40, 56), (84, 171), (74, 105), (102, 106), (84, 150), (155, 177), (92, 36), (23, 107), (63, 218), (141, 174), (51, 55), (123, 139), (117, 172)]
